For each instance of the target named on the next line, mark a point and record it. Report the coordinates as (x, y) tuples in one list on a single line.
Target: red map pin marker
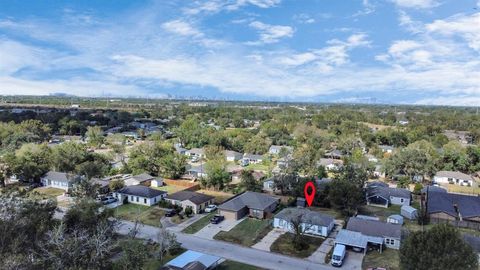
[(309, 196)]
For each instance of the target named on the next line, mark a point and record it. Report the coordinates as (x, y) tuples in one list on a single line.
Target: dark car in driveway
[(170, 213), (217, 219)]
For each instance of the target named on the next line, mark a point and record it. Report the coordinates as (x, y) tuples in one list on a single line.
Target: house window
[(131, 198), (401, 200), (144, 200), (137, 199), (392, 242), (388, 241), (155, 200)]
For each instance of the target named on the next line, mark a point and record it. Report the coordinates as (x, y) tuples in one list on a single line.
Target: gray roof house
[(458, 209), (185, 198), (195, 152), (312, 222), (275, 149), (391, 233), (140, 195), (250, 203), (379, 195), (140, 179), (252, 158), (233, 155), (59, 180), (453, 177)]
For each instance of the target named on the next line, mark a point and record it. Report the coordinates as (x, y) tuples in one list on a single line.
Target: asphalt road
[(230, 251)]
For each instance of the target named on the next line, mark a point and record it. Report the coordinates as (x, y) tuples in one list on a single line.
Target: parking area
[(209, 231), (353, 260), (268, 240)]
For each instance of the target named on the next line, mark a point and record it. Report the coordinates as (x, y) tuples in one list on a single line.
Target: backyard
[(146, 215), (199, 224), (220, 196), (246, 233), (284, 245), (388, 259), (170, 188)]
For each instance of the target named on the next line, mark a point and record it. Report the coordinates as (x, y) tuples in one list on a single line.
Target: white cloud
[(215, 6), (182, 28), (368, 8), (465, 26), (271, 33), (303, 18), (418, 4), (407, 22)]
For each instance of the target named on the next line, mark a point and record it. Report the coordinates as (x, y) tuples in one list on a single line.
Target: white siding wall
[(399, 201), (139, 200), (445, 180), (314, 229), (388, 242)]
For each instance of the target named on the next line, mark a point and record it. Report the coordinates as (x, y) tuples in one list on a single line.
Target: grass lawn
[(146, 215), (257, 167), (170, 188), (231, 265), (389, 259), (462, 189), (220, 196), (284, 245), (246, 233), (43, 193), (199, 224), (329, 211), (380, 212)]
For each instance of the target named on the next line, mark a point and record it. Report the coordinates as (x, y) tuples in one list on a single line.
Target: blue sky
[(388, 51)]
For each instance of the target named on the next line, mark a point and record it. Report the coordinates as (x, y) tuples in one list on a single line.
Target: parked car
[(210, 208), (338, 255), (108, 200), (195, 159), (170, 213), (217, 219)]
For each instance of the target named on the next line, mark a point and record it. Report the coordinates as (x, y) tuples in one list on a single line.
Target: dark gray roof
[(374, 228), (143, 177), (195, 197), (433, 188), (59, 176), (249, 199), (141, 191), (307, 216), (468, 206), (387, 192), (101, 182), (229, 153), (454, 174), (473, 241), (376, 184)]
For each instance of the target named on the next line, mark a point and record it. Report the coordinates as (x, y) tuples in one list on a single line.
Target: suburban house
[(59, 180), (184, 198), (374, 232), (253, 159), (192, 260), (451, 177), (233, 155), (380, 194), (335, 154), (140, 195), (330, 164), (195, 172), (102, 184), (250, 203), (195, 152), (141, 179), (456, 209), (276, 149), (386, 148), (312, 222)]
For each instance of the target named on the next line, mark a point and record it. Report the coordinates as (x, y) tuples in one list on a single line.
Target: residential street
[(229, 251)]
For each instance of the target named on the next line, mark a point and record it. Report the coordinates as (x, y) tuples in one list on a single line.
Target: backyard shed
[(409, 212), (395, 219)]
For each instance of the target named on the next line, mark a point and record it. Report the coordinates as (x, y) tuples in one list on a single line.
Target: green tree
[(172, 165), (30, 162), (95, 136), (248, 182), (134, 255), (217, 176), (188, 211), (68, 155), (115, 185), (441, 247)]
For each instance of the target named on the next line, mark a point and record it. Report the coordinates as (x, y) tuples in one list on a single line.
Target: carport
[(358, 240)]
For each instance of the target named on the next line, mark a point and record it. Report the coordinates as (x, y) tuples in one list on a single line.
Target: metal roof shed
[(395, 219), (356, 239), (409, 212)]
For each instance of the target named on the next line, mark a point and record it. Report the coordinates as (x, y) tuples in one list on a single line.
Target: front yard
[(388, 259), (43, 193), (145, 214), (284, 245), (246, 233), (199, 224)]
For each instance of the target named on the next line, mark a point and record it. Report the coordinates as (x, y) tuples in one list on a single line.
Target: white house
[(451, 177), (59, 180), (232, 155), (195, 152), (142, 179), (386, 148), (269, 184), (276, 149), (140, 195), (314, 223), (330, 164), (253, 159)]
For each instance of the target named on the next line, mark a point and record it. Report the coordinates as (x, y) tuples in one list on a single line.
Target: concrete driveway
[(209, 231), (319, 255), (353, 260), (268, 240)]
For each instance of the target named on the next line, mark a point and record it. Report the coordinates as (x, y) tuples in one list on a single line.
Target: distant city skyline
[(363, 51)]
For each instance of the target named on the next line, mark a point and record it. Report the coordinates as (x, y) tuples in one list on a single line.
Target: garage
[(357, 240), (230, 215)]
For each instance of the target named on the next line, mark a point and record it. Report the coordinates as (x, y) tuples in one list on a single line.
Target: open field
[(284, 245), (43, 193), (389, 259), (246, 233)]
